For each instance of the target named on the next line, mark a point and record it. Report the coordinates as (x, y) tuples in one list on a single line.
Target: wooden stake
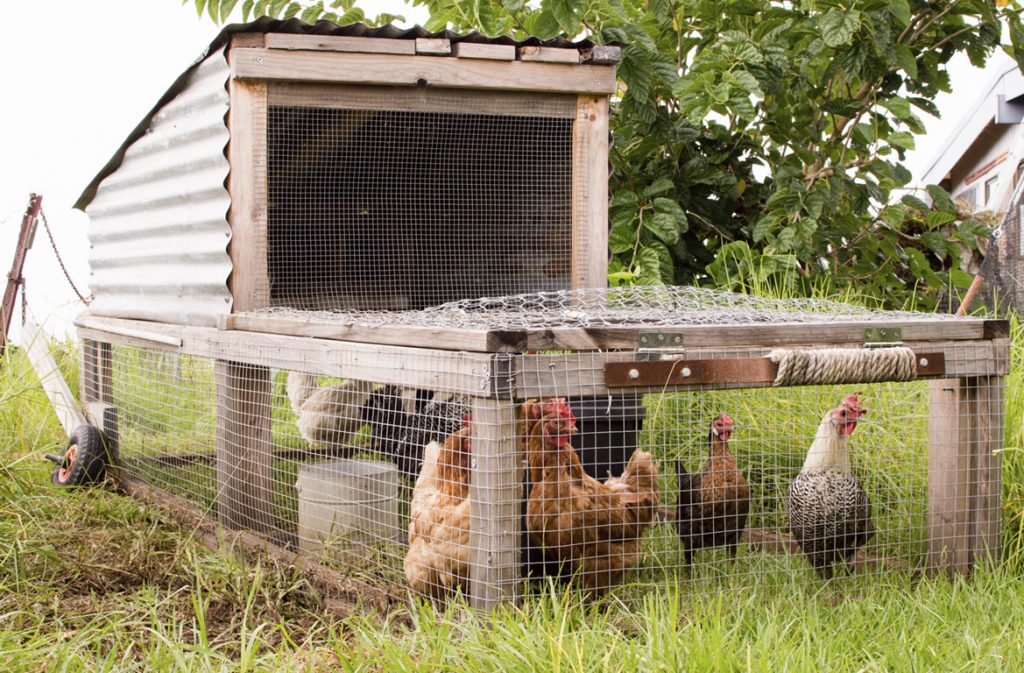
[(14, 279)]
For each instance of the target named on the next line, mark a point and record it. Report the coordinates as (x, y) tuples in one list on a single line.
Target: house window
[(970, 196), (990, 188)]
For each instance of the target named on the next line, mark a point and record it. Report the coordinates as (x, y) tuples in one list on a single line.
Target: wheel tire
[(85, 459)]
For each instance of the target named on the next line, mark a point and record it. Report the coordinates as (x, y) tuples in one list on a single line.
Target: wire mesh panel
[(610, 470), (397, 199)]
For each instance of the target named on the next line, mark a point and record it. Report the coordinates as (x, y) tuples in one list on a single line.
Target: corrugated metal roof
[(295, 26), (158, 225)]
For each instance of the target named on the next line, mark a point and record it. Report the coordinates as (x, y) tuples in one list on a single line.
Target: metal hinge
[(654, 346), (883, 337)]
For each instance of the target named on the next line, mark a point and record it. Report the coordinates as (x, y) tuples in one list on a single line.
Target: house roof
[(1008, 82), (295, 26)]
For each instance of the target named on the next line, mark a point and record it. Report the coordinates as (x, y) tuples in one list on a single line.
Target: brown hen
[(437, 562), (593, 530)]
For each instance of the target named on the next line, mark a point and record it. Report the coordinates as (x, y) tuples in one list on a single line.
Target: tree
[(761, 136)]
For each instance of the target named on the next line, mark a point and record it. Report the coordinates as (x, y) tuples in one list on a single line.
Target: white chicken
[(327, 416)]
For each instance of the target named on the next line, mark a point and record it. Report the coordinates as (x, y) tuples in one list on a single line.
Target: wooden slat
[(590, 204), (646, 374), (247, 185), (242, 40), (433, 46), (419, 99), (363, 45), (245, 468), (496, 491), (56, 388), (108, 325), (490, 341), (548, 54), (546, 375), (490, 52), (601, 54), (781, 334), (325, 66), (451, 371), (988, 446)]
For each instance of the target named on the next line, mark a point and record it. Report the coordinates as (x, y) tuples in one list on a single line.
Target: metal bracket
[(654, 346), (882, 337)]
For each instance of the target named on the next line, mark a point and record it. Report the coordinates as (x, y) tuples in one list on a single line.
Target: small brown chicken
[(437, 562), (714, 503), (593, 530)]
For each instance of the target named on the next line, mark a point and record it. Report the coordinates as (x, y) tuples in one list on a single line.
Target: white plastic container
[(347, 507)]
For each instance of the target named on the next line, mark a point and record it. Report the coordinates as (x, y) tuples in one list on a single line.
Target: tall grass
[(92, 581)]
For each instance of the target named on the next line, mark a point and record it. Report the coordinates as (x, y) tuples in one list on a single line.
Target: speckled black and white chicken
[(401, 428), (829, 511)]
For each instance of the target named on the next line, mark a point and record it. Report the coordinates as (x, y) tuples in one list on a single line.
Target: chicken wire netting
[(393, 199), (659, 306), (441, 492)]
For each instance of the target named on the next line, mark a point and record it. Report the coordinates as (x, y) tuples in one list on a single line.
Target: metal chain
[(53, 244)]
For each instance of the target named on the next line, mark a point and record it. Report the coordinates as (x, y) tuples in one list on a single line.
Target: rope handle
[(843, 365)]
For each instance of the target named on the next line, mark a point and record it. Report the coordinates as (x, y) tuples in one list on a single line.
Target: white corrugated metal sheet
[(159, 228)]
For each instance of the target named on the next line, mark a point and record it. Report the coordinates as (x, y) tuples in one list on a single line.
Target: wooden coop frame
[(966, 361), (284, 69)]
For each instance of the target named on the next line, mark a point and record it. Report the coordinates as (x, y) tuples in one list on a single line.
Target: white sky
[(78, 76)]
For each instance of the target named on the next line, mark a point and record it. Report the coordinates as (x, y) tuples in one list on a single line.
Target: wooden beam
[(965, 437), (489, 52), (433, 46), (758, 335), (544, 375), (419, 99), (549, 54), (496, 493), (590, 193), (56, 388), (420, 70), (245, 468), (450, 371), (247, 185), (601, 54), (359, 45), (488, 341)]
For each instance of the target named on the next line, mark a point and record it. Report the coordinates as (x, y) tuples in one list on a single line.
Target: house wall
[(981, 163), (159, 229)]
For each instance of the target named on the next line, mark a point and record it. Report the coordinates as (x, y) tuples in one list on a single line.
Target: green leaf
[(200, 6), (838, 26), (937, 218), (275, 7), (905, 59), (663, 226), (893, 215), (915, 203), (648, 271), (247, 9), (565, 13), (659, 186), (671, 209), (935, 242), (312, 13), (291, 10), (621, 238), (901, 139), (941, 199), (900, 10)]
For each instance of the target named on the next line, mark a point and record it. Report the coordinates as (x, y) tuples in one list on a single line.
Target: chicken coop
[(349, 301)]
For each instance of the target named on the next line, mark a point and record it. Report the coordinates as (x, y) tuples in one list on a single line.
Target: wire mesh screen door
[(396, 198)]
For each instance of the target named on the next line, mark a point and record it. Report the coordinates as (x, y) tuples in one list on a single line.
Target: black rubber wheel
[(85, 459)]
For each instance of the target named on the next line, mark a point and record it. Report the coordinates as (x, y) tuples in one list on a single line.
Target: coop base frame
[(963, 525)]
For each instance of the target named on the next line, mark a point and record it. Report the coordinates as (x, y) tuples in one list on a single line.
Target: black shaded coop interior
[(399, 209)]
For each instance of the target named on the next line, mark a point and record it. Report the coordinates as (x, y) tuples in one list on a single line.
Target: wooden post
[(964, 472), (247, 185), (496, 491), (56, 388), (245, 469), (590, 193)]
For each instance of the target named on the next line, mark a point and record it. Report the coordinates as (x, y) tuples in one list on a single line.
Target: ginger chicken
[(592, 530), (714, 503), (437, 562), (829, 511)]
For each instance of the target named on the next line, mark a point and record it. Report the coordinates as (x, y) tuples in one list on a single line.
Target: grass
[(93, 581)]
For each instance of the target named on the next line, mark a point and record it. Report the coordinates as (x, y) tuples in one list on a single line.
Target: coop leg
[(495, 493), (964, 467), (245, 469), (95, 383)]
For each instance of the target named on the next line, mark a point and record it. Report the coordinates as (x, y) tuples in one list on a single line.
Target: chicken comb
[(725, 418), (559, 408), (852, 402)]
